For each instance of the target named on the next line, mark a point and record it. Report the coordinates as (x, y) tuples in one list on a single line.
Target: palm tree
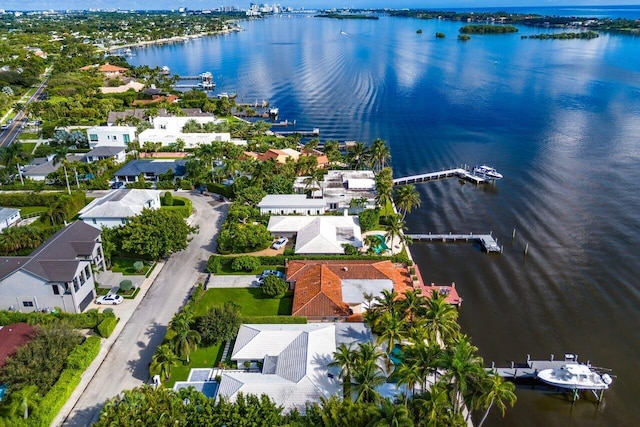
[(433, 406), (413, 304), (441, 319), (185, 339), (312, 182), (497, 392), (358, 155), (345, 357), (426, 357), (406, 199), (367, 379), (12, 155), (384, 189), (393, 330), (409, 375), (464, 371), (391, 415), (396, 229), (379, 154), (162, 361)]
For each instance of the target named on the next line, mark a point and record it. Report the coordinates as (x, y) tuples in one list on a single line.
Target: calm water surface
[(560, 119)]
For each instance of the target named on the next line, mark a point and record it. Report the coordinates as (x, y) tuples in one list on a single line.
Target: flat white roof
[(285, 201)]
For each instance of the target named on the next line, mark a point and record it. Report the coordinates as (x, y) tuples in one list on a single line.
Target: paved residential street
[(126, 364)]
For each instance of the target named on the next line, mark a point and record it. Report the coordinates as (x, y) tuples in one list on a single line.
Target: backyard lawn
[(251, 300), (28, 210), (203, 357)]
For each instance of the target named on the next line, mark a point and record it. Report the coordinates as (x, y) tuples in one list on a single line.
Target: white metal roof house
[(294, 360), (8, 217), (117, 206), (287, 204), (110, 136), (318, 234), (57, 274)]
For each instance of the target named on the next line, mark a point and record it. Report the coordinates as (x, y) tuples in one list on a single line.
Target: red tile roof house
[(12, 337), (333, 290)]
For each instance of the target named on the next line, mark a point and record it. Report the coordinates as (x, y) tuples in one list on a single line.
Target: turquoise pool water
[(3, 391), (382, 245)]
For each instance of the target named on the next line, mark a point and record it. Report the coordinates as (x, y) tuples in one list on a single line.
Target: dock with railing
[(487, 241), (461, 173)]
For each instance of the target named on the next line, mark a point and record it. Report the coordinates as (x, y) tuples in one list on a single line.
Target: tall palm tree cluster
[(420, 349), (375, 156)]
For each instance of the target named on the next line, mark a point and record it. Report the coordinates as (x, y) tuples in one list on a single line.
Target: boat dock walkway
[(489, 244), (462, 173), (302, 133)]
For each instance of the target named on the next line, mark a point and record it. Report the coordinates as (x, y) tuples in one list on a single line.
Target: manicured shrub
[(245, 263), (349, 249), (138, 266), (167, 200), (106, 327), (274, 287), (126, 285)]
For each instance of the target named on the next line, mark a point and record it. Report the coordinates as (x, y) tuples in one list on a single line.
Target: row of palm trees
[(375, 156), (185, 340), (420, 348)]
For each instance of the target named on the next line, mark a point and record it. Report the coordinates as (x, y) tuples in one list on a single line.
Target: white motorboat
[(575, 376), (487, 172)]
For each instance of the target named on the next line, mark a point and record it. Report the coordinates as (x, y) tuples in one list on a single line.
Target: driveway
[(126, 364), (238, 281)]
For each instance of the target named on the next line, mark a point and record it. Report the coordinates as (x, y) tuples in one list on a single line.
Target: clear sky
[(204, 4)]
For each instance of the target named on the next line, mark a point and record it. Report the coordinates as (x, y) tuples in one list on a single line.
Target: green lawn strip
[(251, 300), (28, 146), (125, 266), (202, 357), (28, 135), (27, 210)]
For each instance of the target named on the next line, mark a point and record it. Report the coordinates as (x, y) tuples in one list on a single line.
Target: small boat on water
[(165, 70), (487, 172), (575, 376)]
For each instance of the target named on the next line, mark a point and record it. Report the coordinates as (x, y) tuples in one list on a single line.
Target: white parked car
[(109, 299), (280, 243), (271, 273)]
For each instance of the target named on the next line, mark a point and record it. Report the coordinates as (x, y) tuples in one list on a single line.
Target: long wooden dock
[(489, 244), (461, 173)]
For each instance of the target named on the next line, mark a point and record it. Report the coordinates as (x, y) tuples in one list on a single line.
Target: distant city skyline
[(308, 4)]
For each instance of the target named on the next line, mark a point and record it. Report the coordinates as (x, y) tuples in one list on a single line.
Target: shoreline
[(174, 39)]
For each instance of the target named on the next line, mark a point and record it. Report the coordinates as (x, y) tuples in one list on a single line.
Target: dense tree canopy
[(155, 233)]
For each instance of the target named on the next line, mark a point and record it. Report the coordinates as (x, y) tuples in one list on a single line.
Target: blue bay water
[(559, 118)]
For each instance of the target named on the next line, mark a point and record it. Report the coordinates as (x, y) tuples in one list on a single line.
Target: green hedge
[(106, 327), (216, 263), (86, 320), (223, 190), (29, 199), (288, 320), (181, 205), (77, 362)]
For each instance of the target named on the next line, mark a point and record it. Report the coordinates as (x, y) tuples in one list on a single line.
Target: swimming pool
[(381, 246)]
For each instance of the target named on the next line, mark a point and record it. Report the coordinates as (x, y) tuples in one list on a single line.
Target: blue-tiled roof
[(155, 167)]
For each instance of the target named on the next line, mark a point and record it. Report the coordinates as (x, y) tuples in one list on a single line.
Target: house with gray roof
[(343, 190), (150, 170), (40, 167), (57, 274), (8, 217), (118, 154), (115, 209), (289, 363)]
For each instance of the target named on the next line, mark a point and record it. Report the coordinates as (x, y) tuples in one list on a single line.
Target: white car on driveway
[(280, 243), (110, 299)]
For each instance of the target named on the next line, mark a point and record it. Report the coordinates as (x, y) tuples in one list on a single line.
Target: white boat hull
[(575, 377)]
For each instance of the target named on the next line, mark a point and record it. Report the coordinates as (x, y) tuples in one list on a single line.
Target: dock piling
[(513, 235)]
